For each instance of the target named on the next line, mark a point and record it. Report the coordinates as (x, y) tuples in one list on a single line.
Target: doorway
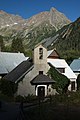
[(41, 91)]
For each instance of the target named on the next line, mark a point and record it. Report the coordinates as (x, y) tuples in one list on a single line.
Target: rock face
[(34, 29), (54, 17), (9, 20), (58, 19), (39, 18)]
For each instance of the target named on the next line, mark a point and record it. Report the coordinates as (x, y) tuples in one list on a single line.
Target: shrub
[(7, 87), (31, 98), (62, 82), (19, 98)]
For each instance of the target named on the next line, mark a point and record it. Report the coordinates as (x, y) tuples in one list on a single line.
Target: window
[(40, 72), (40, 53), (73, 85), (62, 70)]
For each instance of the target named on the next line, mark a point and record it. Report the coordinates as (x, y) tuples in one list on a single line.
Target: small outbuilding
[(42, 83)]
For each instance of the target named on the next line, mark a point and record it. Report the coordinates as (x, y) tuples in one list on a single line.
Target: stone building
[(31, 74)]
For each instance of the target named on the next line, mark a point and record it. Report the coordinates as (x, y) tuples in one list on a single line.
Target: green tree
[(2, 47), (7, 87), (17, 45), (62, 82)]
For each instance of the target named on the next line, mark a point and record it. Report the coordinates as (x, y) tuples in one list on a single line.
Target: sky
[(28, 8)]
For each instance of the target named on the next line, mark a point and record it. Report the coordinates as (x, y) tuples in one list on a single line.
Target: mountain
[(51, 28), (58, 19), (32, 30), (67, 41)]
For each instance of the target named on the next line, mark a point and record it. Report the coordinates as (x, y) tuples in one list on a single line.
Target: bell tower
[(40, 58)]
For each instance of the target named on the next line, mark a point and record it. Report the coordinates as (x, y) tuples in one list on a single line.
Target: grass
[(62, 107), (53, 112)]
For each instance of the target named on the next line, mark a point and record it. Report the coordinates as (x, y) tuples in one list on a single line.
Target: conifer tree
[(17, 45), (1, 44)]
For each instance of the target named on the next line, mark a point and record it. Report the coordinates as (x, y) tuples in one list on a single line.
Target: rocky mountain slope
[(32, 30), (67, 41)]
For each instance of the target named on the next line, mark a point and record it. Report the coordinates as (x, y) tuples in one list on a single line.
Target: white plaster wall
[(51, 91), (25, 87)]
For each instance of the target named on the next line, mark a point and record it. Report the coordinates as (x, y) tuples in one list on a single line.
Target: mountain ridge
[(8, 20), (32, 30)]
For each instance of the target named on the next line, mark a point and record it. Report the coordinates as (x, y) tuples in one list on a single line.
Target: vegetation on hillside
[(17, 45), (2, 47), (68, 42), (39, 33)]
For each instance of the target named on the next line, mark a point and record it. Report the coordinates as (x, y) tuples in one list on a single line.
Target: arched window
[(40, 53)]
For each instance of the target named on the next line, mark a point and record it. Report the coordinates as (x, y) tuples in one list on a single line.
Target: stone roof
[(8, 61), (42, 79), (20, 71), (53, 54), (75, 65)]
